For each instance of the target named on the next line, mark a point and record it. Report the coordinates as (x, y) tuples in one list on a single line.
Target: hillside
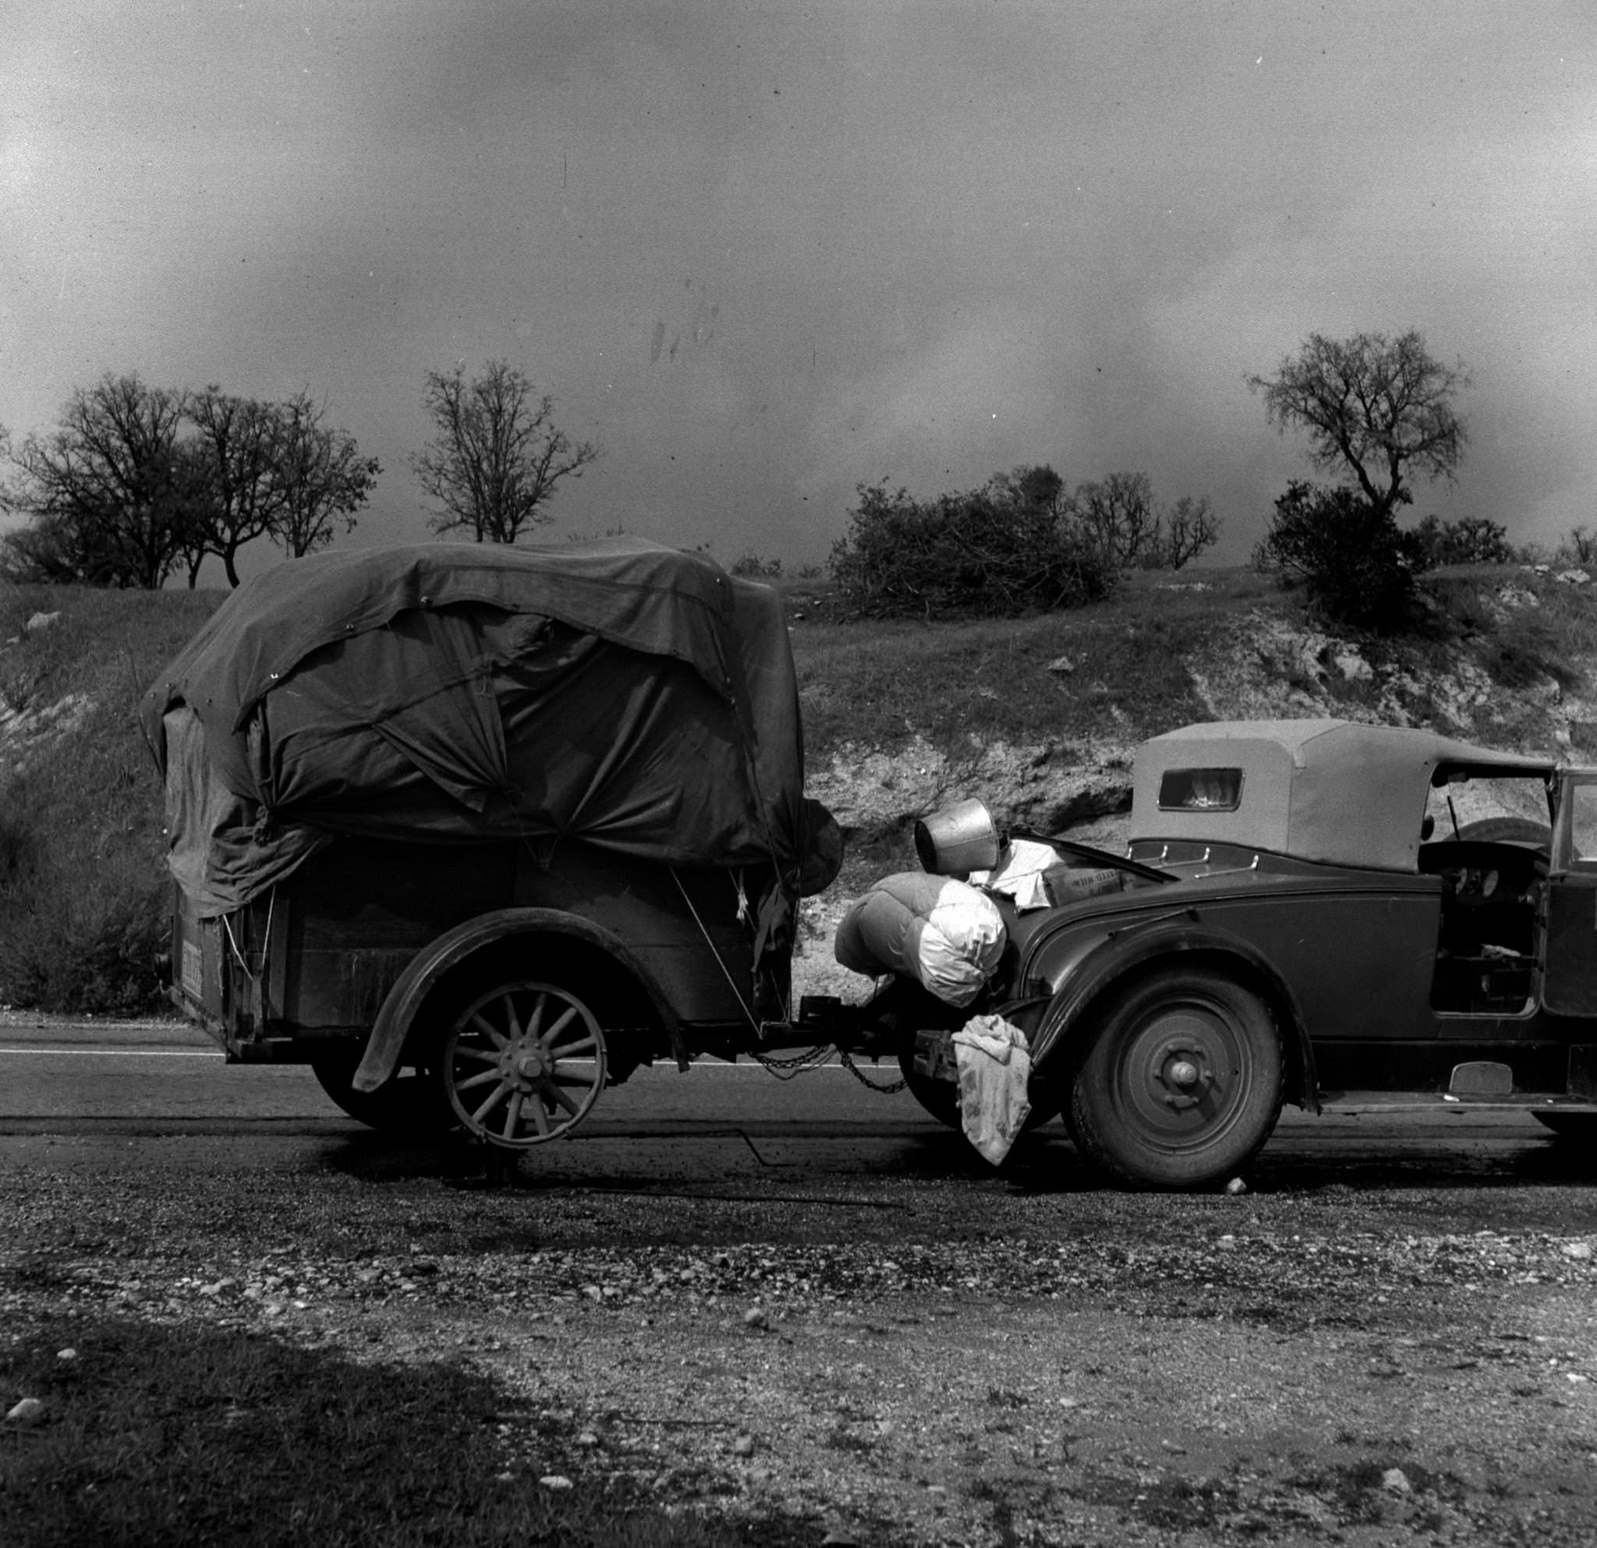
[(1038, 716)]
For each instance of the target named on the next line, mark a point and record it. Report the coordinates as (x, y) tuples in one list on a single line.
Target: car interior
[(1492, 863)]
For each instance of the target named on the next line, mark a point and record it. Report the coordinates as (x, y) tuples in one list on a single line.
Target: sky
[(762, 253)]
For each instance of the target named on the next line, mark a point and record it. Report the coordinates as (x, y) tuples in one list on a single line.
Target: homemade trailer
[(474, 831)]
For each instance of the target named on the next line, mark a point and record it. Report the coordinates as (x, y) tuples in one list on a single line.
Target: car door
[(1569, 939)]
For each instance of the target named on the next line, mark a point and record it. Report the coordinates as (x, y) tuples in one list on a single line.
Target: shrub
[(1469, 540), (83, 896), (1357, 567), (753, 566), (991, 552), (1580, 546)]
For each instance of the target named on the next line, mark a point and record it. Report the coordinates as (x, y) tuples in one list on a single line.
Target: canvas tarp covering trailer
[(619, 693)]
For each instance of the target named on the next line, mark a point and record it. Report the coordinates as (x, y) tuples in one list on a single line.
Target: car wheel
[(1570, 1127), (523, 1063), (406, 1105), (1181, 1083), (940, 1098)]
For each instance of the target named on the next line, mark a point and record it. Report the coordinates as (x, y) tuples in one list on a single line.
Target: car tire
[(940, 1098), (1570, 1128), (406, 1106), (1181, 1082)]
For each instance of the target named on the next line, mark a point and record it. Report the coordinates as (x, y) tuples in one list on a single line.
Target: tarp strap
[(748, 1015), (227, 925), (266, 941)]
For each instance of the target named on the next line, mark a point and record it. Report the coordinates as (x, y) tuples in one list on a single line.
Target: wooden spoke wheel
[(523, 1063)]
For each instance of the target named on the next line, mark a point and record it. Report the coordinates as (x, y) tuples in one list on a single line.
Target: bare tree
[(111, 492), (236, 451), (1374, 408), (1118, 516), (318, 476), (496, 456), (1189, 527)]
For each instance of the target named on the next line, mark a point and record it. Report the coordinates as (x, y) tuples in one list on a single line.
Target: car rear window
[(1200, 790)]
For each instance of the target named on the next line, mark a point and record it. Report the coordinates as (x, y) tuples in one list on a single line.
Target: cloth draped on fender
[(994, 1063)]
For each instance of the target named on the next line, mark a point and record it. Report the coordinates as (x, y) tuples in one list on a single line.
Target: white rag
[(1019, 873), (994, 1071)]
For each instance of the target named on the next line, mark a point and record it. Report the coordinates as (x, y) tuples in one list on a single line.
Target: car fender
[(440, 956), (1083, 967)]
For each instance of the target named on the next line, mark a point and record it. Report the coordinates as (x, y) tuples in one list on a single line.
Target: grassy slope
[(882, 684), (1131, 661), (82, 913), (82, 922)]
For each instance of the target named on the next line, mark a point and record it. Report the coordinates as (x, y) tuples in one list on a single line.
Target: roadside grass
[(82, 890), (155, 1434)]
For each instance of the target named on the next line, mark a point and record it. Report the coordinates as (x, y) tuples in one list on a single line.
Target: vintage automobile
[(1306, 909), (475, 831)]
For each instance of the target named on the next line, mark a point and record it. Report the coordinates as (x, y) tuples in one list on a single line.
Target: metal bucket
[(957, 840)]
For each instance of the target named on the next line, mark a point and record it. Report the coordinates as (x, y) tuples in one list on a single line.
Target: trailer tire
[(406, 1106)]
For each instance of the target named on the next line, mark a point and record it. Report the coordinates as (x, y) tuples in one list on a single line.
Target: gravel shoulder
[(930, 1354)]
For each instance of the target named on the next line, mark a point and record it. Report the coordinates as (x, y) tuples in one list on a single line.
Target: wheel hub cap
[(1177, 1072), (523, 1065)]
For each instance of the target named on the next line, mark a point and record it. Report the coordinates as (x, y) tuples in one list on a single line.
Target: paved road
[(108, 1089)]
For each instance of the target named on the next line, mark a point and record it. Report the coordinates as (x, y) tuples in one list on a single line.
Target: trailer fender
[(1118, 955), (424, 971)]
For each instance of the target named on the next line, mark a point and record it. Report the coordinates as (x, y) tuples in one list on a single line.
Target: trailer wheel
[(1182, 1082), (407, 1105), (523, 1063)]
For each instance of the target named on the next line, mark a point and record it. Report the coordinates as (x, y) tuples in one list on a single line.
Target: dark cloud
[(763, 253)]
